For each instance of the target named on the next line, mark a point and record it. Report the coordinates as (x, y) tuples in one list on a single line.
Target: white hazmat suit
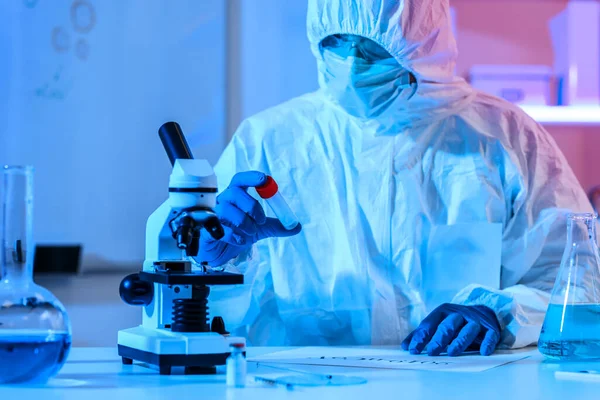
[(450, 195)]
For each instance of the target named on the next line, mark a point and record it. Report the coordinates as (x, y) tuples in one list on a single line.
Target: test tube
[(269, 191)]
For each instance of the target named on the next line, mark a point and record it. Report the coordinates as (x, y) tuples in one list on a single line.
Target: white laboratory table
[(97, 373)]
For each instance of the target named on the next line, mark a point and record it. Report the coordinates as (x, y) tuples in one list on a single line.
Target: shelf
[(565, 115)]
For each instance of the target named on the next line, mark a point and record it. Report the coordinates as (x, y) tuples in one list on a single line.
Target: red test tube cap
[(268, 189)]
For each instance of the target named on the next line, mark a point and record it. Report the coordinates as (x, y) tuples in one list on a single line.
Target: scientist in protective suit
[(432, 215)]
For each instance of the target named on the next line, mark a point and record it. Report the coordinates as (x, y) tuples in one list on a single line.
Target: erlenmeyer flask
[(571, 329), (35, 333)]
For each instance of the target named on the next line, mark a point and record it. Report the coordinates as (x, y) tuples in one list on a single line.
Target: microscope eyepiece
[(174, 142)]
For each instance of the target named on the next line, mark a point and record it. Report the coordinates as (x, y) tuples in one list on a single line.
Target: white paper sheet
[(388, 359)]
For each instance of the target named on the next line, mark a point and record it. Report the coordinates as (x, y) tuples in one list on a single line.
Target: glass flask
[(571, 329), (35, 332)]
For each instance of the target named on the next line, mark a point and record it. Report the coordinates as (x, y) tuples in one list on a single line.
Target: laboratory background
[(86, 84)]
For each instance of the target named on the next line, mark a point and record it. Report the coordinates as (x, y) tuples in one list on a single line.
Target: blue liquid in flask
[(571, 332), (32, 357)]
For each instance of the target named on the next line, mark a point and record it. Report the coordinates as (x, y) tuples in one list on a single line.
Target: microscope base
[(197, 353)]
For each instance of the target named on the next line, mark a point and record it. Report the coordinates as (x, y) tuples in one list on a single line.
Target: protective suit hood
[(416, 33)]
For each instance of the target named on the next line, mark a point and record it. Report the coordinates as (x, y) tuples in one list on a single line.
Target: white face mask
[(363, 88)]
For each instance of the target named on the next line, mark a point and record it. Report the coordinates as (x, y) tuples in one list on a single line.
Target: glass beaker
[(35, 332), (571, 329)]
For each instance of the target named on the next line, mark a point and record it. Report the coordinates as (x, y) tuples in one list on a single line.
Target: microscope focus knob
[(135, 291)]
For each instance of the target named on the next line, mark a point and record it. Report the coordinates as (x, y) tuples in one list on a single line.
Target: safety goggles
[(354, 45)]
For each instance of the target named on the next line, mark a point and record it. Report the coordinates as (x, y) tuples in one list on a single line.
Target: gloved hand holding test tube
[(270, 193), (243, 218)]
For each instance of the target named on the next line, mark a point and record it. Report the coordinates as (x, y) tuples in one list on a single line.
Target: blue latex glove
[(243, 220), (455, 328)]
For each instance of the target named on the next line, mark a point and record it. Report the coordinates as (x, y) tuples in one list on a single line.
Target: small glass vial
[(236, 366), (270, 192)]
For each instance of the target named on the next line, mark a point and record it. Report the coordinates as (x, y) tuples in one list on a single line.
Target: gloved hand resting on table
[(455, 328), (243, 220)]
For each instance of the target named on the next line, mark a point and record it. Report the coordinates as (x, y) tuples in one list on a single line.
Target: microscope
[(172, 288)]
